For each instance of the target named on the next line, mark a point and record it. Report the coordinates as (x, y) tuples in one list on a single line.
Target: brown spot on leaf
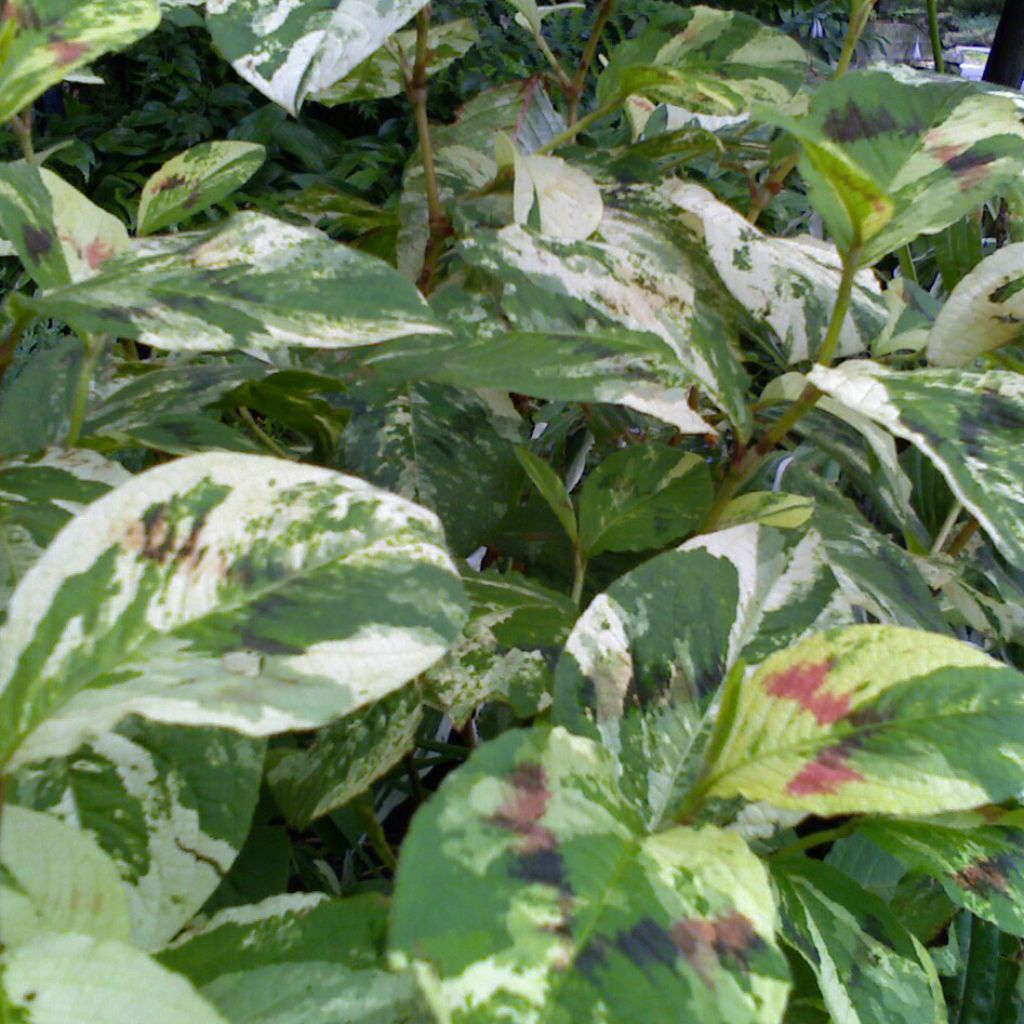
[(825, 775), (38, 242), (982, 876), (704, 943), (157, 534), (66, 52), (522, 811), (193, 197), (853, 123), (97, 252), (803, 683), (647, 943), (970, 168), (174, 181)]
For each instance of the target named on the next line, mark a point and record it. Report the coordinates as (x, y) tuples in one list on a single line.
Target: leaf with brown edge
[(874, 718), (568, 909)]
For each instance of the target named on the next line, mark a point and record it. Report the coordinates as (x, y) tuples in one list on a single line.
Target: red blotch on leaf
[(803, 684), (97, 252), (65, 52), (825, 775), (521, 813)]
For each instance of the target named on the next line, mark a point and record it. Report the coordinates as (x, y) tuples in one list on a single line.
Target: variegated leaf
[(978, 860), (345, 758), (984, 312), (292, 49), (868, 966), (251, 282), (53, 38), (563, 200), (196, 180), (873, 718), (706, 60), (767, 508), (38, 495), (642, 498), (788, 283), (55, 878), (893, 154), (448, 449), (228, 590), (632, 274), (298, 959), (644, 662), (507, 652), (380, 75), (171, 807), (968, 424), (569, 910), (59, 235), (76, 979)]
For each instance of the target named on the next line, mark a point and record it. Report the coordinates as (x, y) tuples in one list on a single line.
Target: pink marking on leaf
[(66, 52), (802, 683), (825, 775), (97, 252)]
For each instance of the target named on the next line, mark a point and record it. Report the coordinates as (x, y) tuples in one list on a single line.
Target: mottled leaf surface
[(59, 235), (380, 75), (291, 49), (170, 806), (226, 590), (873, 718), (57, 37), (564, 200), (250, 282), (645, 660), (75, 979), (891, 155), (968, 424), (868, 966), (195, 180), (984, 312), (568, 910), (508, 649), (706, 60), (344, 758)]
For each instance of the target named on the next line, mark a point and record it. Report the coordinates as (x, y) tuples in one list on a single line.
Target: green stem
[(933, 28), (961, 540), (22, 128), (829, 835), (906, 257), (262, 436), (93, 350), (581, 125), (861, 11), (580, 81), (771, 187), (415, 782), (841, 309), (374, 832), (579, 575), (556, 65)]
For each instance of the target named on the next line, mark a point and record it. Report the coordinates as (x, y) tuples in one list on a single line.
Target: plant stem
[(379, 841), (841, 309), (415, 782), (906, 257), (947, 528), (829, 835), (93, 349), (583, 123), (416, 89), (933, 28), (262, 436), (771, 187), (960, 541), (579, 575), (859, 14), (580, 81), (22, 127)]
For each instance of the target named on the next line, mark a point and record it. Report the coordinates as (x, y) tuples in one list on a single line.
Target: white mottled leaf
[(566, 200)]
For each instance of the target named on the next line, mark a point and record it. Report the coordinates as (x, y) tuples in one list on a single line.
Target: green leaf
[(60, 236), (984, 312), (251, 282), (53, 38), (979, 863), (642, 498), (874, 718), (868, 966), (65, 979), (790, 284), (170, 806), (516, 628), (968, 424), (60, 881), (293, 49), (297, 959), (230, 590), (449, 449), (196, 180), (344, 759), (645, 660), (38, 495), (893, 154), (568, 910), (380, 75), (551, 489), (706, 60), (565, 199), (767, 508), (990, 976)]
